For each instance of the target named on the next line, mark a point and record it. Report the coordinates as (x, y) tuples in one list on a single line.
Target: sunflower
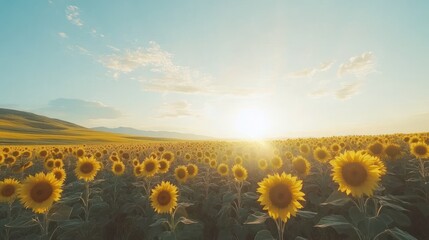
[(118, 168), (138, 170), (376, 149), (238, 160), (213, 163), (335, 147), (304, 149), (392, 151), (223, 169), (420, 150), (59, 174), (262, 164), (276, 162), (169, 156), (9, 160), (8, 190), (187, 157), (58, 163), (164, 197), (301, 165), (135, 162), (164, 166), (38, 192), (181, 173), (381, 166), (49, 164), (321, 154), (150, 167), (280, 195), (192, 170), (356, 173), (87, 168), (240, 173)]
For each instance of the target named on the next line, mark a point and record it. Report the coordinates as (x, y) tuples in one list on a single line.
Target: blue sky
[(220, 68)]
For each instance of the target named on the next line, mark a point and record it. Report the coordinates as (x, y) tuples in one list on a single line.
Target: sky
[(226, 69)]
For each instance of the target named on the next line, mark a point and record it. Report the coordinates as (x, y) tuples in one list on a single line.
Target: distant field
[(18, 127)]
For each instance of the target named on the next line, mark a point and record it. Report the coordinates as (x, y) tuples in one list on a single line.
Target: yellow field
[(354, 187)]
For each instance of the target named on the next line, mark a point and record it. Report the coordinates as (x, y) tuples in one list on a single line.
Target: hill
[(18, 127), (154, 134)]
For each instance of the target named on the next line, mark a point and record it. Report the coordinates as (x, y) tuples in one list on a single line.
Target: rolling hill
[(18, 127), (154, 134)]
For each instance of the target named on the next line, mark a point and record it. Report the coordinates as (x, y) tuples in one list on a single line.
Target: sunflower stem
[(86, 199)]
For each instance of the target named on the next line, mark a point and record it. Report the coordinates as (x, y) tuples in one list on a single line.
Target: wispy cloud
[(73, 15), (63, 35), (360, 65), (348, 90), (79, 110), (80, 50), (176, 109), (309, 72), (166, 75), (94, 33), (319, 93)]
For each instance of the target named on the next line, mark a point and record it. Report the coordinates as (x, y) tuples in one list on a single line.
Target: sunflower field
[(352, 187)]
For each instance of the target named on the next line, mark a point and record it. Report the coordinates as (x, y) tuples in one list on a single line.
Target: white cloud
[(166, 75), (319, 93), (360, 65), (348, 90), (176, 109), (309, 72), (80, 50), (73, 15), (63, 35)]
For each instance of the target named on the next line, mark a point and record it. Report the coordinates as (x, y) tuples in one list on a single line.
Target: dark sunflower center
[(58, 175), (8, 190), (354, 174), (191, 170), (50, 164), (167, 157), (181, 173), (41, 192), (150, 166), (86, 168), (138, 170), (162, 165), (164, 198), (335, 148), (321, 154), (420, 150), (118, 168), (300, 166), (392, 151), (58, 164), (222, 169), (280, 196), (239, 173), (376, 148), (9, 160)]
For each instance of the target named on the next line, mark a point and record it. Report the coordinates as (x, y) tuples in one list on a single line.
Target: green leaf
[(229, 197), (306, 214), (336, 199), (256, 218), (264, 235), (185, 220), (399, 234), (337, 222), (167, 235), (356, 215), (251, 195), (23, 222), (373, 225), (398, 217), (184, 204), (159, 222), (59, 212)]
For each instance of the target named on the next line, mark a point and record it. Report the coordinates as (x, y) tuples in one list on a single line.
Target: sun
[(251, 123)]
